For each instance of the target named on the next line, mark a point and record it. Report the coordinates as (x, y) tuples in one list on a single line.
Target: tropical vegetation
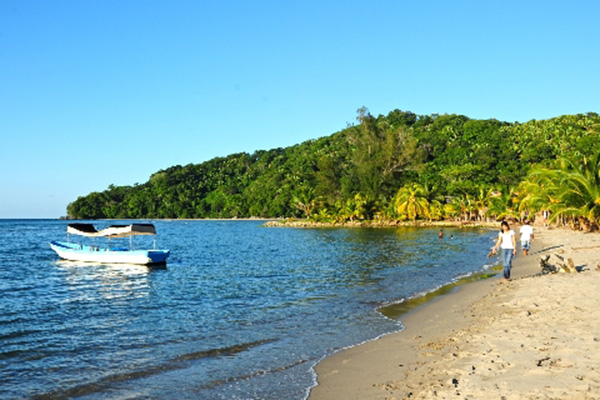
[(401, 166)]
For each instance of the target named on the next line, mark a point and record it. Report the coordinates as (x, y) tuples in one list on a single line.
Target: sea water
[(239, 312)]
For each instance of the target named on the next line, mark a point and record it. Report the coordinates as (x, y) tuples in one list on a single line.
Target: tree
[(381, 153), (450, 156), (355, 208), (502, 204), (305, 200), (571, 190), (411, 202)]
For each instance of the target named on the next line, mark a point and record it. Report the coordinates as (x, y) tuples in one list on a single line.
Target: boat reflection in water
[(91, 283)]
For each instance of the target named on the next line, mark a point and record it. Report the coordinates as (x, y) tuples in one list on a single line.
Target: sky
[(94, 93)]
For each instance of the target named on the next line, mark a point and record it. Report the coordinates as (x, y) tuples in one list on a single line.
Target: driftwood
[(561, 266), (569, 266), (546, 267), (585, 248)]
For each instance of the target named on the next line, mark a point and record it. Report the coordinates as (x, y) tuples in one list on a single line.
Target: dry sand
[(535, 337)]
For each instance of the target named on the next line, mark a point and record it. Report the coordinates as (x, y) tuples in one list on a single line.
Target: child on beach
[(526, 237), (508, 244)]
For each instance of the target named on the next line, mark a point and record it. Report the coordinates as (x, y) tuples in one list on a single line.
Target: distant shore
[(305, 223), (535, 337), (168, 219)]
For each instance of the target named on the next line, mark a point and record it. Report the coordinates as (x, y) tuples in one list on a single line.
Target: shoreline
[(487, 339), (304, 223)]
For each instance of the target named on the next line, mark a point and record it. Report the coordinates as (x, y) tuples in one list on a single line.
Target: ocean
[(239, 312)]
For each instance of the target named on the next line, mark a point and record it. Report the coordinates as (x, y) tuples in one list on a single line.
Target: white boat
[(111, 255)]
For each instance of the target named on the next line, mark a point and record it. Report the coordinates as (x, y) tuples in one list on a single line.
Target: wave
[(179, 362), (219, 382)]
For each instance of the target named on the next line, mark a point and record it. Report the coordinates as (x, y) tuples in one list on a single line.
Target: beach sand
[(534, 337)]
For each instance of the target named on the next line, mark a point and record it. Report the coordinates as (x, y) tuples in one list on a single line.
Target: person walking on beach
[(526, 237), (508, 244)]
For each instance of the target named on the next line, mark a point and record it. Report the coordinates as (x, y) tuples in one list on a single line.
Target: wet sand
[(535, 337)]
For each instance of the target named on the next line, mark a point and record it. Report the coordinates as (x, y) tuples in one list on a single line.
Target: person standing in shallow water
[(508, 244)]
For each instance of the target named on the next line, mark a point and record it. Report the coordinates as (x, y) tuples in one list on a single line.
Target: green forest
[(401, 166)]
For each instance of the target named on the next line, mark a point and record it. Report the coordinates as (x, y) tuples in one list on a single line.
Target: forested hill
[(356, 173)]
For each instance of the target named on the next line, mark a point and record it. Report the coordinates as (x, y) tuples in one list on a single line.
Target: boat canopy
[(90, 230)]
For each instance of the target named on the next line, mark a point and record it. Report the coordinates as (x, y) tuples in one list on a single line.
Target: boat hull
[(77, 252)]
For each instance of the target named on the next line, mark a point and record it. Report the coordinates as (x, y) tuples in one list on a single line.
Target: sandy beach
[(534, 337)]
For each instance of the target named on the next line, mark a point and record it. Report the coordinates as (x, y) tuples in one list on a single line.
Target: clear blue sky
[(94, 93)]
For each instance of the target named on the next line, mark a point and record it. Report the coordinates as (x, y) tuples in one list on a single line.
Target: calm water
[(240, 312)]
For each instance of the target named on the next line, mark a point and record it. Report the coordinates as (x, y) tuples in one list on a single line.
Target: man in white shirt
[(526, 237)]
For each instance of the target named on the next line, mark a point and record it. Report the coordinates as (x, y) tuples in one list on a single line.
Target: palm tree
[(322, 215), (436, 210), (453, 209), (354, 208), (482, 201), (470, 207), (502, 204), (436, 202), (305, 200), (411, 202), (460, 207), (578, 190), (571, 191), (537, 192)]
